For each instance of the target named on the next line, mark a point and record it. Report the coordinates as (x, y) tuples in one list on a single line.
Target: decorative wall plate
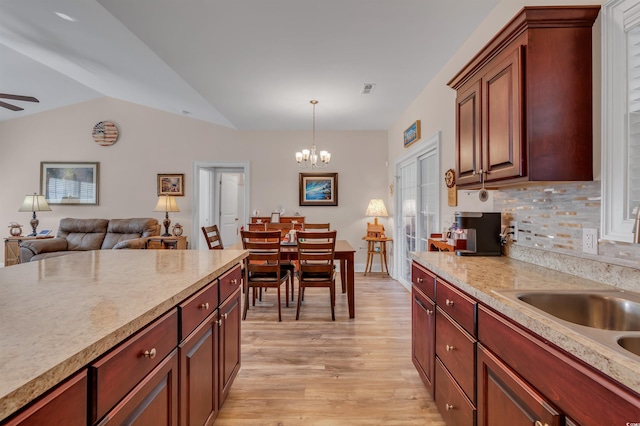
[(105, 133)]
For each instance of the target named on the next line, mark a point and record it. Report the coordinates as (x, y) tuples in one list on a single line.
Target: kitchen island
[(60, 314), (516, 350)]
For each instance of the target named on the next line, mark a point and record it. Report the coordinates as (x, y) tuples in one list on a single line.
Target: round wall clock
[(105, 133)]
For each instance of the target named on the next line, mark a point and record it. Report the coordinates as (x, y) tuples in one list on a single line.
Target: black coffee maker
[(483, 233)]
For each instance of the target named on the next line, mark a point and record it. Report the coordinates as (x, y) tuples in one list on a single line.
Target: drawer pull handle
[(204, 306), (539, 423), (449, 407), (219, 323), (225, 316), (429, 312), (150, 354), (450, 348), (234, 281), (448, 302), (420, 280)]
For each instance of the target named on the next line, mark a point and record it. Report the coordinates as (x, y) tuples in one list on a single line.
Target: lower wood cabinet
[(505, 399), (423, 327), (452, 403), (229, 340)]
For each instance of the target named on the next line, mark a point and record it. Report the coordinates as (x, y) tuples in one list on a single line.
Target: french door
[(417, 203)]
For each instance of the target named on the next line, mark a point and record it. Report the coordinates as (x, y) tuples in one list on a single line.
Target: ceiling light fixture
[(308, 158), (66, 17), (367, 88)]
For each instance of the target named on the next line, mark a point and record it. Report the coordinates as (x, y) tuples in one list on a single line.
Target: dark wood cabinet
[(423, 331), (505, 399), (229, 360), (153, 401), (65, 405), (454, 406), (524, 102)]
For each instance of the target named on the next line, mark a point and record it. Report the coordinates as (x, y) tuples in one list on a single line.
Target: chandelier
[(308, 158)]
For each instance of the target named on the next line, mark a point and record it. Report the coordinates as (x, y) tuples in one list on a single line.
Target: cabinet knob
[(204, 306), (419, 280), (450, 407), (448, 302), (225, 316), (150, 354), (234, 281), (450, 348), (429, 312), (219, 323), (539, 423)]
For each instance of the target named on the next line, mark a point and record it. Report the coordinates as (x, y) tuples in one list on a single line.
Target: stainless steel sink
[(603, 310), (611, 317)]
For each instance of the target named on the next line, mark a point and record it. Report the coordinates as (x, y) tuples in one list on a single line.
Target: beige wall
[(153, 142)]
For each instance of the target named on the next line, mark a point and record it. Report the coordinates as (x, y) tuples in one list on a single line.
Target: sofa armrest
[(134, 243), (30, 248)]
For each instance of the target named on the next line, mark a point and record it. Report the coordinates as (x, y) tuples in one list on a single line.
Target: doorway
[(222, 199)]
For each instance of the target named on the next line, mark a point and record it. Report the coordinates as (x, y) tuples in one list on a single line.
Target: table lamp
[(34, 203), (166, 203), (376, 208)]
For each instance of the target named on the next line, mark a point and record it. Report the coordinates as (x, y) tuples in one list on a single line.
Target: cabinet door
[(502, 139), (154, 401), (66, 405), (468, 126), (504, 399), (229, 350), (198, 374), (423, 328)]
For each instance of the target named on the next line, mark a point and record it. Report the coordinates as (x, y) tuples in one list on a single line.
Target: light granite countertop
[(59, 314), (485, 277)]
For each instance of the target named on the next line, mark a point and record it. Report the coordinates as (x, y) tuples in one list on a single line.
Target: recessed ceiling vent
[(367, 88)]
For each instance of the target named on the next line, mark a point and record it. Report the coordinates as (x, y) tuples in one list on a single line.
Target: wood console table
[(12, 248), (167, 243), (377, 246)]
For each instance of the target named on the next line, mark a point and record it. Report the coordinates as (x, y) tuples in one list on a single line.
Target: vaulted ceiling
[(247, 64)]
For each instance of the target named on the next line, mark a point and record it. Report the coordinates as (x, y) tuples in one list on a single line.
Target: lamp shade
[(34, 203), (166, 203), (376, 208)]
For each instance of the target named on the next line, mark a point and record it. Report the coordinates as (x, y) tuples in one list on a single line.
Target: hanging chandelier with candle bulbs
[(308, 158)]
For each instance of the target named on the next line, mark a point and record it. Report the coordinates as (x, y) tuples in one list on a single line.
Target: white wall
[(153, 142), (435, 106)]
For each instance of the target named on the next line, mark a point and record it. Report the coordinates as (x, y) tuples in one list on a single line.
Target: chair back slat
[(316, 251), (284, 228), (317, 226), (212, 237), (264, 252)]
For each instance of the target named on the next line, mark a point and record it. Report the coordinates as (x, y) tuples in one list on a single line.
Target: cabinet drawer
[(424, 280), (457, 351), (196, 308), (455, 407), (458, 305), (115, 374), (229, 282)]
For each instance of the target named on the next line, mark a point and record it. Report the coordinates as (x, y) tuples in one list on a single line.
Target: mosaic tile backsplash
[(551, 218)]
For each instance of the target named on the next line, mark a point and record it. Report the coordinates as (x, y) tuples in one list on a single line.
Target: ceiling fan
[(15, 98)]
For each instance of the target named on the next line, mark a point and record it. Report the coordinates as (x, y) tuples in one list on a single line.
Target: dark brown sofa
[(91, 234)]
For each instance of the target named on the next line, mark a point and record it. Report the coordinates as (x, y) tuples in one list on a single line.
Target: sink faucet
[(636, 227)]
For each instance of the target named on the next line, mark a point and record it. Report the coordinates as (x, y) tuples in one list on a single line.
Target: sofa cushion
[(83, 234), (120, 230), (50, 255)]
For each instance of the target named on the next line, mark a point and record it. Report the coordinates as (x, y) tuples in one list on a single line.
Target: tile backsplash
[(551, 217)]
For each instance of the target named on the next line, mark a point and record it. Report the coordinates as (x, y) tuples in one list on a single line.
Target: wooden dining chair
[(212, 236), (262, 268), (316, 254), (284, 229), (317, 226)]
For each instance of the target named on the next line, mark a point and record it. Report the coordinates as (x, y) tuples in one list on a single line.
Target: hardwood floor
[(318, 372)]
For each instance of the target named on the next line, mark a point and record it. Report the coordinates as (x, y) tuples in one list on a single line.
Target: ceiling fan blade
[(18, 97), (11, 107)]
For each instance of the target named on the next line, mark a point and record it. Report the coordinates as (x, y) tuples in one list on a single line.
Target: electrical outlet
[(590, 240), (514, 223)]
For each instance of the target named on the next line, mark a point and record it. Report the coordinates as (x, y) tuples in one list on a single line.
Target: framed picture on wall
[(318, 189), (412, 134), (171, 184), (71, 182)]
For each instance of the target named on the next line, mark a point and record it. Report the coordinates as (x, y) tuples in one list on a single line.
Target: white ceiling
[(247, 64)]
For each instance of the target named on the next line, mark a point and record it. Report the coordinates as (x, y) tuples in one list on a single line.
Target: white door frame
[(195, 208)]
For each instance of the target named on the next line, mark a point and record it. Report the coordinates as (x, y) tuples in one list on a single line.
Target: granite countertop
[(484, 277), (59, 314)]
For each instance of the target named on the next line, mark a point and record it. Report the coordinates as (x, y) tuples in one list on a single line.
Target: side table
[(376, 246), (167, 243), (12, 248)]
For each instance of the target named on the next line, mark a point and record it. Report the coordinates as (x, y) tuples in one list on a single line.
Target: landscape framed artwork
[(70, 182), (171, 184), (318, 189), (412, 134)]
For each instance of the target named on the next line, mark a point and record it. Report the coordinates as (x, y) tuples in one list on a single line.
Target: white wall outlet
[(514, 223), (590, 240)]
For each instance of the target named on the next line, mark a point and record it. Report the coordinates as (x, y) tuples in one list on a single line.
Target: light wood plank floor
[(318, 372)]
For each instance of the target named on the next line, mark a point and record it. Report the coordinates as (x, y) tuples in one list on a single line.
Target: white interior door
[(229, 219)]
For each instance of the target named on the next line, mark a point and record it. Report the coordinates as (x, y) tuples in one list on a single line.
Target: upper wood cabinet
[(524, 102)]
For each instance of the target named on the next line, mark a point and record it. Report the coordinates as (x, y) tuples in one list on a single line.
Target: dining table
[(345, 253)]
